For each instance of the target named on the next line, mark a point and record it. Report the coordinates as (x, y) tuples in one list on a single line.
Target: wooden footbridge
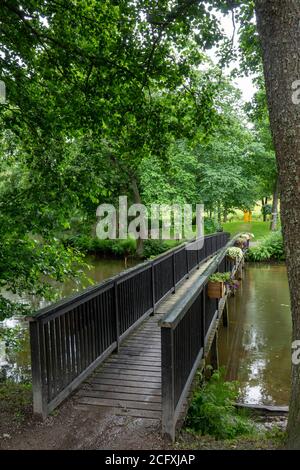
[(134, 342)]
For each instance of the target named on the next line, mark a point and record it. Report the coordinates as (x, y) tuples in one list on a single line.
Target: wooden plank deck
[(129, 382)]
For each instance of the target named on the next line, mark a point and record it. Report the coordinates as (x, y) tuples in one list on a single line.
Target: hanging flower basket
[(234, 254)]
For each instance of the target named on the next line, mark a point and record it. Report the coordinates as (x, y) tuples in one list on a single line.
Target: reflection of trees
[(17, 355), (257, 346)]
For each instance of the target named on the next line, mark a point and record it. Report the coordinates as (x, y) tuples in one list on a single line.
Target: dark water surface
[(255, 347), (15, 356)]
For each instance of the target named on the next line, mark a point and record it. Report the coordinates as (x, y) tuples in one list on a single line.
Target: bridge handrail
[(93, 290), (72, 337), (185, 332)]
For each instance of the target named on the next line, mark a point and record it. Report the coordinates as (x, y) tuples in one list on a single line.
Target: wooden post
[(214, 352), (167, 376), (187, 262), (203, 318), (38, 386), (225, 314), (153, 288), (173, 272)]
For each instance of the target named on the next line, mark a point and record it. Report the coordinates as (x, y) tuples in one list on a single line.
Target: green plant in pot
[(216, 285), (219, 283), (234, 253)]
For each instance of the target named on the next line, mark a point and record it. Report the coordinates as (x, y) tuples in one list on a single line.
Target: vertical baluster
[(116, 296), (53, 358), (59, 367)]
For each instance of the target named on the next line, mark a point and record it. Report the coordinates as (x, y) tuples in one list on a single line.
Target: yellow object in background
[(247, 216)]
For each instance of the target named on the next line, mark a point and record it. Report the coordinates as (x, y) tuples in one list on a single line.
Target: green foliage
[(13, 338), (235, 252), (154, 248), (210, 226), (266, 209), (220, 277), (212, 410), (9, 308), (109, 98), (269, 248), (15, 398), (124, 247), (95, 245)]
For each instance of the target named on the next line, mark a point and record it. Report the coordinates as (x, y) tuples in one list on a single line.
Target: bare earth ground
[(73, 427)]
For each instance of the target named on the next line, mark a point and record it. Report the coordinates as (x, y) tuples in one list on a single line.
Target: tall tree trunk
[(225, 215), (137, 200), (262, 206), (273, 225), (278, 26), (219, 215)]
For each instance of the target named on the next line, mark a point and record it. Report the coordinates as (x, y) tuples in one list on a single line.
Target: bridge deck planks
[(129, 382)]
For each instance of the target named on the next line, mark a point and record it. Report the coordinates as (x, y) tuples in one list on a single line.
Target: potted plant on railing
[(219, 283), (241, 242), (234, 254), (232, 285), (216, 285), (248, 236)]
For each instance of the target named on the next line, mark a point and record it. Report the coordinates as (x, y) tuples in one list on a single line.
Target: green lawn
[(259, 229)]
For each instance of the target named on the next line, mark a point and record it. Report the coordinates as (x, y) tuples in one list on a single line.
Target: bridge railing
[(184, 334), (71, 338)]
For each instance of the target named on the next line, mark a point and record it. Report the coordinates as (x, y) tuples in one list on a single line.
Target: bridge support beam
[(225, 314), (214, 354)]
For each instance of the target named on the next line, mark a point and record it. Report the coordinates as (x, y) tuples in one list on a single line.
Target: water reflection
[(14, 334), (255, 348)]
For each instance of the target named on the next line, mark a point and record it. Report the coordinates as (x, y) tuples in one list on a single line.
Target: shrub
[(210, 226), (271, 247), (154, 248), (212, 410), (124, 247), (266, 209), (89, 244)]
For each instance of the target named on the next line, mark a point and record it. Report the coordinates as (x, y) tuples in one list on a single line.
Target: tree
[(278, 26), (266, 161)]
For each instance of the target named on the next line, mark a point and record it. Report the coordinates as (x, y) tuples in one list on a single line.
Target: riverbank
[(73, 428)]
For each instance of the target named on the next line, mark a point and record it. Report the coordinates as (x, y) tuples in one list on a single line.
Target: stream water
[(15, 353), (254, 348)]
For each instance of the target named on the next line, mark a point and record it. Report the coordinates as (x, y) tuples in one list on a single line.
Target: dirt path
[(74, 427), (79, 428)]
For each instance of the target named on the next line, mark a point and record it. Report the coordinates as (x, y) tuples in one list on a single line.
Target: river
[(15, 357), (255, 347)]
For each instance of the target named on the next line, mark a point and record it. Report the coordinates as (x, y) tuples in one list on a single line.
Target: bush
[(210, 226), (154, 248), (270, 247), (124, 247), (9, 308), (96, 245), (213, 412), (266, 209)]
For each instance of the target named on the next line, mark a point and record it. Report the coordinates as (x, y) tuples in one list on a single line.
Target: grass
[(15, 400), (259, 229)]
